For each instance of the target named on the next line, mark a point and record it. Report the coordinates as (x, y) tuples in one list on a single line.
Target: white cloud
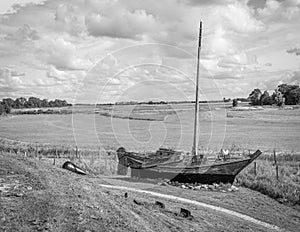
[(294, 50), (61, 54), (70, 19), (62, 40), (10, 81), (122, 24), (239, 18), (23, 33)]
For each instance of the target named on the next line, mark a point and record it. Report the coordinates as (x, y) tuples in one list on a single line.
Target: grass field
[(96, 135), (39, 196), (219, 127)]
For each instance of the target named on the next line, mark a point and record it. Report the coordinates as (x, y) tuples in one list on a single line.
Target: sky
[(95, 51)]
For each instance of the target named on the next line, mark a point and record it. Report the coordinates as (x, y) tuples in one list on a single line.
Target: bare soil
[(37, 196)]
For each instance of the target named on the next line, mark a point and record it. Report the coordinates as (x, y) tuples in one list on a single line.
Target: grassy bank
[(285, 189)]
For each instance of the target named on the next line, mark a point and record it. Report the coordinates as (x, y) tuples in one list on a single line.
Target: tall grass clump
[(285, 190)]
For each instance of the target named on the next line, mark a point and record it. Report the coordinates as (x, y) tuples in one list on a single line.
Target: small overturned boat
[(73, 168), (182, 167)]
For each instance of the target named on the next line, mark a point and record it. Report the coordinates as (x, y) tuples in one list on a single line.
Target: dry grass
[(286, 189), (99, 161)]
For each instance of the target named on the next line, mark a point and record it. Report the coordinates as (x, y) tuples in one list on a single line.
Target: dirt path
[(36, 196)]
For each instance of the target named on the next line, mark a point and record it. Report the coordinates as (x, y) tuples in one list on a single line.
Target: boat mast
[(195, 141)]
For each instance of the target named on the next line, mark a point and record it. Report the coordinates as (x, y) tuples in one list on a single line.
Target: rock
[(94, 217), (160, 204), (185, 213), (137, 202), (164, 184), (183, 186), (211, 187), (233, 188)]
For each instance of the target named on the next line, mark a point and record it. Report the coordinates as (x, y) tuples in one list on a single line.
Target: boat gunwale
[(196, 166)]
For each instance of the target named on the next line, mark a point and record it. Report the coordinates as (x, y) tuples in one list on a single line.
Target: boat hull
[(183, 177), (223, 172)]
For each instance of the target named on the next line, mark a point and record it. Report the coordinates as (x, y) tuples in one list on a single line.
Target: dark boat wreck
[(221, 170), (184, 168)]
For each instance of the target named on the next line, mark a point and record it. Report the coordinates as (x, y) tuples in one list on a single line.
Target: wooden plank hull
[(183, 177), (224, 172)]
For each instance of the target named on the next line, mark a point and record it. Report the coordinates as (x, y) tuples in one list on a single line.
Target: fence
[(98, 161)]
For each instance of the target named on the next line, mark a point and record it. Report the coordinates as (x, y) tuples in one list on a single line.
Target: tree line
[(32, 102), (284, 94)]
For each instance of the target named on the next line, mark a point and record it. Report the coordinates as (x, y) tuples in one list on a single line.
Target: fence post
[(276, 165), (55, 155), (92, 159), (106, 161), (36, 152), (76, 152), (254, 168)]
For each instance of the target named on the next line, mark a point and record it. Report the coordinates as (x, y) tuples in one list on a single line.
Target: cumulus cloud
[(294, 50), (124, 24), (279, 10), (239, 18), (57, 37), (23, 33), (69, 18), (61, 54), (68, 77), (10, 81)]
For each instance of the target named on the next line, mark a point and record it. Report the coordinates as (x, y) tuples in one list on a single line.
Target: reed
[(285, 190)]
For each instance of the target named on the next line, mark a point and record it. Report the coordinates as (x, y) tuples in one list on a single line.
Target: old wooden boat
[(185, 168), (220, 170)]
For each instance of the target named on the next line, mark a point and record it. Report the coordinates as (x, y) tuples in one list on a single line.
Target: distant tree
[(226, 99), (235, 102), (2, 110), (20, 102), (295, 95), (266, 99), (255, 96), (5, 107), (278, 98), (289, 92), (34, 102), (45, 103), (9, 102)]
